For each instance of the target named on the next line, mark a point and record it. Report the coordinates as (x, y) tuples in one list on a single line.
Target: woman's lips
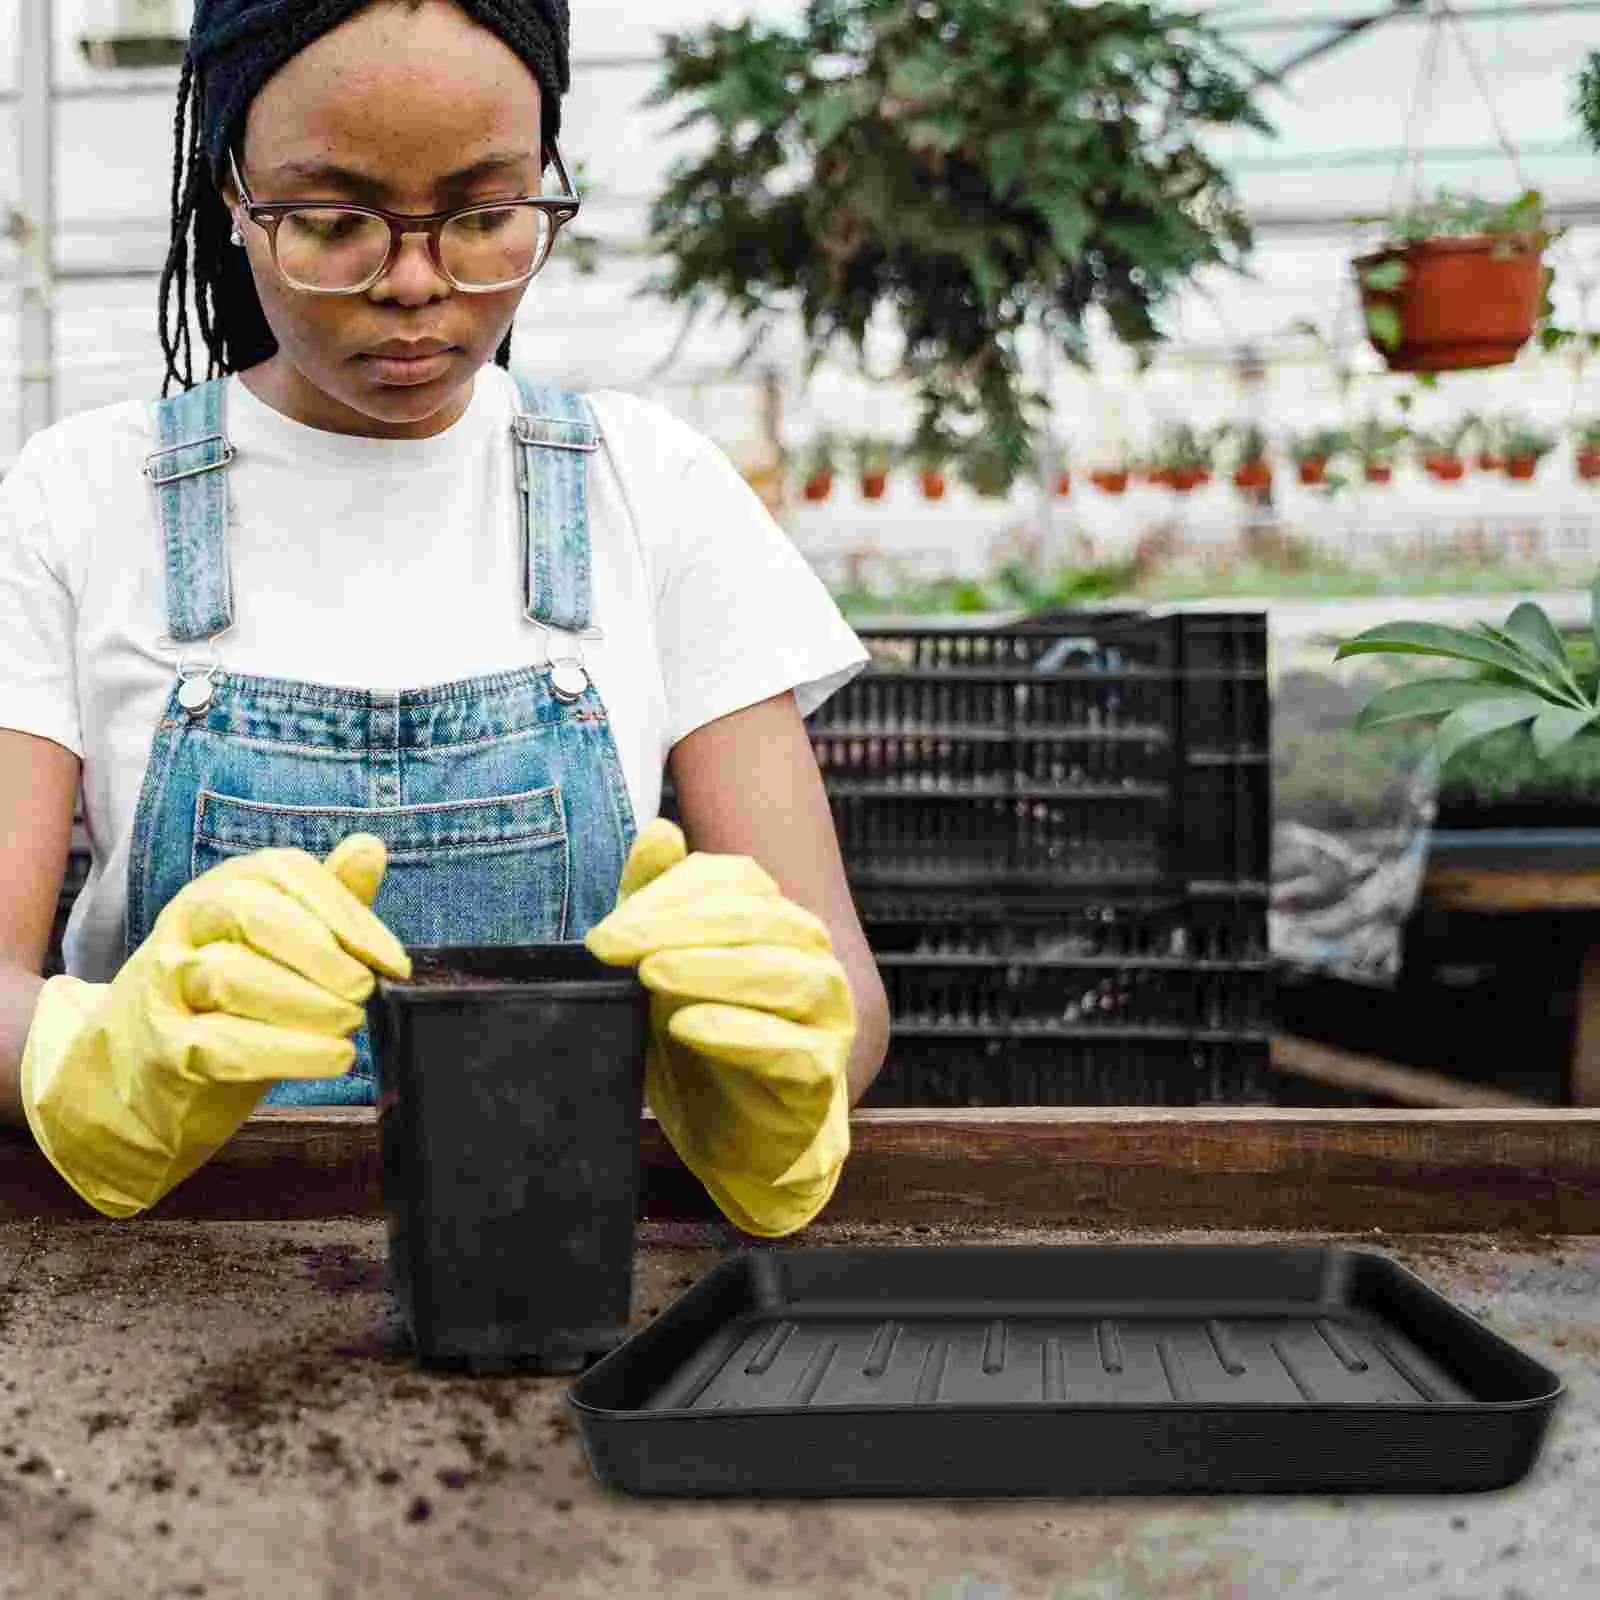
[(405, 371)]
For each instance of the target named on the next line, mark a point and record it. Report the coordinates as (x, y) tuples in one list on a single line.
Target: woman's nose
[(412, 278)]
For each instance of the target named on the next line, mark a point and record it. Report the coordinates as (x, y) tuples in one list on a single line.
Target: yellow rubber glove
[(752, 1023), (255, 971)]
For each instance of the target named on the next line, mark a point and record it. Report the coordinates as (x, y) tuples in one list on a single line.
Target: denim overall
[(500, 799)]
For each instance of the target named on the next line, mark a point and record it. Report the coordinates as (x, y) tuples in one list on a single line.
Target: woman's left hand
[(752, 1024)]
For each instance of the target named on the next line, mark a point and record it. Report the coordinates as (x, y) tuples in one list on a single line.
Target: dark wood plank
[(1399, 1170), (1487, 889), (1407, 1086)]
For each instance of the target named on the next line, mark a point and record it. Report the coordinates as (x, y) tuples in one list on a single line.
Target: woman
[(362, 644)]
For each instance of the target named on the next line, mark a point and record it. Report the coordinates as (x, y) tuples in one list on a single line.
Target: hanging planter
[(1252, 473), (931, 481), (1110, 480), (1377, 472), (1063, 485)]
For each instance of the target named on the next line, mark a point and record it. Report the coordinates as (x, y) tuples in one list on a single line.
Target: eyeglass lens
[(329, 248)]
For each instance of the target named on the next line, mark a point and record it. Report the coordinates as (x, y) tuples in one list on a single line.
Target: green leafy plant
[(1586, 98), (1249, 443), (821, 457), (1445, 443), (974, 168), (1521, 441), (1375, 442), (1586, 435), (1524, 674), (1183, 448), (1321, 445), (872, 453)]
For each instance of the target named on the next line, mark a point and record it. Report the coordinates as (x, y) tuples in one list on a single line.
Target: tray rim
[(739, 1262)]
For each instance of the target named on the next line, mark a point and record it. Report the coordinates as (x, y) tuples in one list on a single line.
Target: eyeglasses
[(340, 249)]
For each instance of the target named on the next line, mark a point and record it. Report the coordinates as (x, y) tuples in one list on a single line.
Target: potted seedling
[(1488, 432), (873, 457), (1253, 471), (510, 1090), (1112, 478), (1586, 437), (1063, 484), (1459, 283), (1374, 443), (931, 457), (821, 462), (1185, 456), (1313, 451), (1521, 674), (1523, 448), (1441, 452)]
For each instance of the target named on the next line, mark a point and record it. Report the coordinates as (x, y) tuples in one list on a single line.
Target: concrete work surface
[(211, 1409)]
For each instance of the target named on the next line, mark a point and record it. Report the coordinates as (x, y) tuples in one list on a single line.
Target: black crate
[(1107, 748), (1017, 1000)]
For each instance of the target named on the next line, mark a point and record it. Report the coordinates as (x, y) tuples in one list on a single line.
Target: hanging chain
[(1421, 95), (1482, 81)]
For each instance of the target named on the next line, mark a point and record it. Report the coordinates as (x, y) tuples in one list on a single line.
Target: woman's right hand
[(257, 970)]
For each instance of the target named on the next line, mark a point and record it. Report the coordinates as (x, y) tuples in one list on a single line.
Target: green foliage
[(1249, 442), (1455, 216), (1445, 443), (1184, 448), (1586, 98), (871, 453), (1012, 587), (1375, 441), (1525, 674), (970, 166), (1587, 433), (1517, 440), (821, 455), (1323, 444)]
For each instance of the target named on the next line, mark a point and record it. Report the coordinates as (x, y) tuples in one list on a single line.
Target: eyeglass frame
[(268, 214)]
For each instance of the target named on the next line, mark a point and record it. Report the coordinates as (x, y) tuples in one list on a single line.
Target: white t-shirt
[(389, 564)]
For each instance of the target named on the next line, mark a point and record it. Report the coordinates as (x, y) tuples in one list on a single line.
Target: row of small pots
[(1252, 476)]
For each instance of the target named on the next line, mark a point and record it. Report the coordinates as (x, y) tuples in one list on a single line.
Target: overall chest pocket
[(493, 871)]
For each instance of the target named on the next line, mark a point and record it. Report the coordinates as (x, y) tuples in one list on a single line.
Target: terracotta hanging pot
[(1110, 482), (1447, 469), (1589, 464), (1377, 472), (818, 486), (1522, 468), (1488, 461), (1313, 472), (873, 484), (1464, 302), (1063, 485), (932, 481), (1253, 475), (1187, 479)]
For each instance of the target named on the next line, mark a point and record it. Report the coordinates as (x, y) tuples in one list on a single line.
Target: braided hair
[(234, 47)]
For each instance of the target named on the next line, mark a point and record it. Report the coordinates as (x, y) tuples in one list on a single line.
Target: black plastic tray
[(983, 1372)]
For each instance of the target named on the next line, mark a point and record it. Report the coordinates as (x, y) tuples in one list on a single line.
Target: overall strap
[(192, 494), (556, 435)]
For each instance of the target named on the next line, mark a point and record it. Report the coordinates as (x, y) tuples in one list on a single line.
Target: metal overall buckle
[(568, 675), (197, 683)]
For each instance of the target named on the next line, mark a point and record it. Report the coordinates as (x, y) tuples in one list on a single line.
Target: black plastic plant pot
[(510, 1091)]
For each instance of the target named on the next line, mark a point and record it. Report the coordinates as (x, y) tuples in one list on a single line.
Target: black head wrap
[(234, 47)]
